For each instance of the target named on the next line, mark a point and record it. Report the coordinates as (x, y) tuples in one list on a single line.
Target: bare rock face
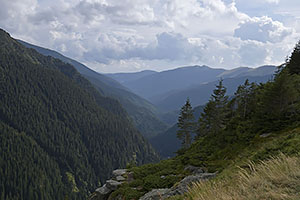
[(119, 172), (181, 188), (156, 194), (111, 185), (185, 183), (194, 170), (122, 175)]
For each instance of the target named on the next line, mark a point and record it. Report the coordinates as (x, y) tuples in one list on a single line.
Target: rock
[(181, 188), (156, 194), (101, 193), (265, 135), (194, 170), (130, 177), (119, 172), (185, 183), (103, 190), (112, 185), (120, 178)]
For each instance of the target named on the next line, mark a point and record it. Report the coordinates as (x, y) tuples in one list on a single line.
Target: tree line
[(253, 109)]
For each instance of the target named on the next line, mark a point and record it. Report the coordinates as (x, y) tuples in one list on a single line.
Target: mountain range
[(169, 89)]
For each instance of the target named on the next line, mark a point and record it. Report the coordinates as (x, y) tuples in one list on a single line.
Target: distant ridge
[(126, 77)]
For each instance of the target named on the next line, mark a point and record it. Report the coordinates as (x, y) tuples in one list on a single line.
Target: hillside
[(59, 136), (142, 113), (260, 122), (156, 86), (128, 77), (200, 94), (165, 81)]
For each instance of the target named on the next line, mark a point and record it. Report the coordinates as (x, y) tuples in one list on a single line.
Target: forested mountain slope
[(59, 136), (143, 113)]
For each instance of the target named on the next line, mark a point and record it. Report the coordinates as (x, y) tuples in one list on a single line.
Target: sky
[(133, 35)]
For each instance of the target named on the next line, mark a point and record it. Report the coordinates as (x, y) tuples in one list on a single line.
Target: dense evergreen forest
[(260, 121), (59, 137)]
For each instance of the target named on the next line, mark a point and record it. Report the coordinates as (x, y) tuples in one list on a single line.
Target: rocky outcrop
[(122, 175), (185, 183), (157, 194), (182, 187), (102, 193)]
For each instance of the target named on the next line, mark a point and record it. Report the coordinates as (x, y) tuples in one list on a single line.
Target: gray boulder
[(194, 170), (185, 183), (181, 188), (103, 192), (112, 185), (120, 178), (156, 194), (119, 172)]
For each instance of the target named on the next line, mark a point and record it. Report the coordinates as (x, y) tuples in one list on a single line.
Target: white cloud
[(113, 35), (262, 29)]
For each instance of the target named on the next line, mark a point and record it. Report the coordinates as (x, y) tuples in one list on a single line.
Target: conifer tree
[(213, 118), (186, 124), (293, 63), (244, 98)]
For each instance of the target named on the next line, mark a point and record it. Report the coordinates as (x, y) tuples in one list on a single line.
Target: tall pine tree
[(213, 118), (293, 63), (186, 124), (243, 98)]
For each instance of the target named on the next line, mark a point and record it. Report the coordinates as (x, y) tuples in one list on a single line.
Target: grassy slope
[(227, 161), (277, 178)]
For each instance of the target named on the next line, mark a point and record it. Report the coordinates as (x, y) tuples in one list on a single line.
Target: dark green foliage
[(61, 136), (293, 63), (214, 116), (244, 99), (167, 143), (141, 112), (186, 124)]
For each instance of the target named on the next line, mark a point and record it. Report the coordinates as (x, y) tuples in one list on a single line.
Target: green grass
[(226, 159)]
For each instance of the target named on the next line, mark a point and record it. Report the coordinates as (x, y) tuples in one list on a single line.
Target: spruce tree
[(213, 118), (244, 98), (186, 124), (293, 63)]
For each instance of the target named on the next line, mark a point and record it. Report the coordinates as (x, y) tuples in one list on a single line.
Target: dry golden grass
[(275, 179)]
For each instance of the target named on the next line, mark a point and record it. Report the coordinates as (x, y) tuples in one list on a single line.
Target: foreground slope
[(59, 136), (277, 179), (143, 113)]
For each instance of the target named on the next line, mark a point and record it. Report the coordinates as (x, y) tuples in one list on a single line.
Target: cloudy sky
[(133, 35)]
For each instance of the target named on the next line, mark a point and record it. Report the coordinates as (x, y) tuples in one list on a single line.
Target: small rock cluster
[(122, 175), (111, 185), (182, 187)]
